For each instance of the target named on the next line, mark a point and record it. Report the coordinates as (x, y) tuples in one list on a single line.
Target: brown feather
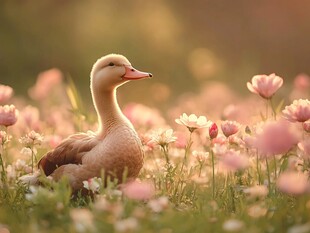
[(70, 151)]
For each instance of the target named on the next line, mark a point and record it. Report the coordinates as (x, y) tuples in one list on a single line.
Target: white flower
[(31, 138), (193, 122), (33, 193), (257, 211), (82, 219), (159, 204), (20, 164), (304, 228), (233, 225), (201, 156), (102, 204), (26, 151), (126, 225), (163, 137), (36, 137), (256, 191), (92, 184), (219, 149), (11, 172)]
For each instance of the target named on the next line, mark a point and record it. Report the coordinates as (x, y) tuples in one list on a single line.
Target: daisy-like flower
[(163, 137), (6, 93), (230, 127), (8, 115), (298, 111), (265, 85), (192, 122)]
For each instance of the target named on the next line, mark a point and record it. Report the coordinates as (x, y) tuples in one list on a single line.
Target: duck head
[(111, 71)]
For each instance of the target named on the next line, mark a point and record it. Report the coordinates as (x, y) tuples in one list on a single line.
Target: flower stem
[(275, 166), (200, 168), (165, 149), (32, 155), (213, 174), (268, 175), (3, 175), (187, 149), (258, 170), (273, 110)]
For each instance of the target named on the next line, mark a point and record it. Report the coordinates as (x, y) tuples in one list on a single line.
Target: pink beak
[(133, 74)]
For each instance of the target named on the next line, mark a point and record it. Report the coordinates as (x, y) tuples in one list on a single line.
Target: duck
[(115, 149)]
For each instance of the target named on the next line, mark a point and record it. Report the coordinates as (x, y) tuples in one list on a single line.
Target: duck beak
[(133, 74)]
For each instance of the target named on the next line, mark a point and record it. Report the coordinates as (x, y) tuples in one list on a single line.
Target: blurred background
[(187, 45)]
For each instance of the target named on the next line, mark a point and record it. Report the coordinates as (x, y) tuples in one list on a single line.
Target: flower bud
[(306, 126), (213, 131)]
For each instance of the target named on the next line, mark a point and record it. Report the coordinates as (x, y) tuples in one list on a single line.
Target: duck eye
[(111, 64)]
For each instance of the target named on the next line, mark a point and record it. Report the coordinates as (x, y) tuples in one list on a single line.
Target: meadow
[(242, 165)]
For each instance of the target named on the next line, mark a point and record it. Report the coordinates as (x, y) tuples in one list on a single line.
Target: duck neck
[(109, 112)]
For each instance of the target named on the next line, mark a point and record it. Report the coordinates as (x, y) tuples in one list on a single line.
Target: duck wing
[(69, 151)]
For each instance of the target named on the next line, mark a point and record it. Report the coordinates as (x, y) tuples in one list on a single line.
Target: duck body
[(115, 150)]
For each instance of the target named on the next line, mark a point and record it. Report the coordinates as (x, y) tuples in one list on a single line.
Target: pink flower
[(30, 116), (306, 126), (181, 140), (143, 116), (298, 111), (233, 161), (265, 85), (6, 93), (54, 141), (230, 127), (293, 183), (45, 83), (8, 115), (138, 190), (275, 138), (304, 147), (213, 131), (302, 82)]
